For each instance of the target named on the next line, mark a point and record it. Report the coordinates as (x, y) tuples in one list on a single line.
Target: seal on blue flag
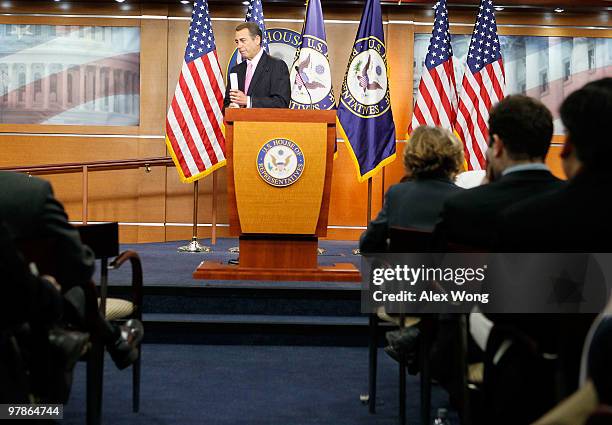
[(280, 162), (365, 117), (314, 77), (365, 91)]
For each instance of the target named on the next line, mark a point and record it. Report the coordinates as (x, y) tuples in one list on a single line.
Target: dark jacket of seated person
[(575, 218), (520, 131), (31, 211), (432, 158)]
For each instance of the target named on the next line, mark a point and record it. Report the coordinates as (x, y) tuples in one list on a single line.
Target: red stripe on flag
[(213, 80), (442, 96), (433, 111), (195, 155), (481, 124), (451, 112), (483, 94), (497, 88), (176, 149), (419, 115), (198, 80), (196, 116), (212, 118), (471, 123)]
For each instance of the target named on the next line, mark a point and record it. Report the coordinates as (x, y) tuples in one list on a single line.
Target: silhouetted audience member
[(598, 352), (575, 218), (31, 212), (432, 159), (592, 402), (37, 353), (520, 131)]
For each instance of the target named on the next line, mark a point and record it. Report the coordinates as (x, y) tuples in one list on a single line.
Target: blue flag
[(311, 83), (365, 119)]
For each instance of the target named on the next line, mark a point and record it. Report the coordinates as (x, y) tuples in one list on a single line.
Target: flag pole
[(369, 201), (194, 245), (369, 210), (213, 231), (382, 192)]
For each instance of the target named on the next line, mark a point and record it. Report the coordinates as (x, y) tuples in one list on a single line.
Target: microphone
[(297, 69)]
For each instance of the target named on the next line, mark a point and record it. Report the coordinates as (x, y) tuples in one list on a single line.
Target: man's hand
[(239, 98), (52, 281)]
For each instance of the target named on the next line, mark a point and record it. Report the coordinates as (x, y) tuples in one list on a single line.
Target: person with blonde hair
[(432, 158)]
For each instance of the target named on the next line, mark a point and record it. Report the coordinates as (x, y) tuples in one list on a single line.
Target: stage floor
[(163, 265)]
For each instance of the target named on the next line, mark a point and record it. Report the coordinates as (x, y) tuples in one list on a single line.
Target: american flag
[(255, 14), (193, 125), (483, 85), (436, 99)]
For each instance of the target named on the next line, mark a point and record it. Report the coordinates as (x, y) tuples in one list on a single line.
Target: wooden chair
[(404, 240), (41, 252), (103, 239)]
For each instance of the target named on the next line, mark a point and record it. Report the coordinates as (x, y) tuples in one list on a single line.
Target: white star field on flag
[(483, 85), (439, 45), (484, 47), (255, 14), (201, 39), (436, 97)]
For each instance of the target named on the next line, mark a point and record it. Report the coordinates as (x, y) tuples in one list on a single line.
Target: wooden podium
[(278, 216)]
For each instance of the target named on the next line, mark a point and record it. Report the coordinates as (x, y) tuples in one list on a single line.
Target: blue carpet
[(250, 385), (163, 265)]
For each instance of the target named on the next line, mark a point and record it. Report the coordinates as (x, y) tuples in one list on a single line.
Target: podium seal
[(280, 162)]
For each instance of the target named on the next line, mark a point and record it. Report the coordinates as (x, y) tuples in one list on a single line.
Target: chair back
[(102, 238), (409, 239), (462, 247)]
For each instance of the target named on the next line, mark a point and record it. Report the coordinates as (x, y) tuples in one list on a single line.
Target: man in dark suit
[(520, 131), (575, 218), (31, 212), (263, 81)]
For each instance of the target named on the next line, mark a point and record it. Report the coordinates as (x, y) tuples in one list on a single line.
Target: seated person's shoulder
[(535, 206), (398, 187), (20, 181), (468, 197)]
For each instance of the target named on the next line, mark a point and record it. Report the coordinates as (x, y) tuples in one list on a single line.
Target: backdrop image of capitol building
[(79, 75)]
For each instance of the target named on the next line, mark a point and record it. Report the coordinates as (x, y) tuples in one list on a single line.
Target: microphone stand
[(297, 69), (320, 251)]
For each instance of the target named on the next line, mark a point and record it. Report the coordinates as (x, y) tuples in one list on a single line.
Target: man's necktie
[(249, 75)]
